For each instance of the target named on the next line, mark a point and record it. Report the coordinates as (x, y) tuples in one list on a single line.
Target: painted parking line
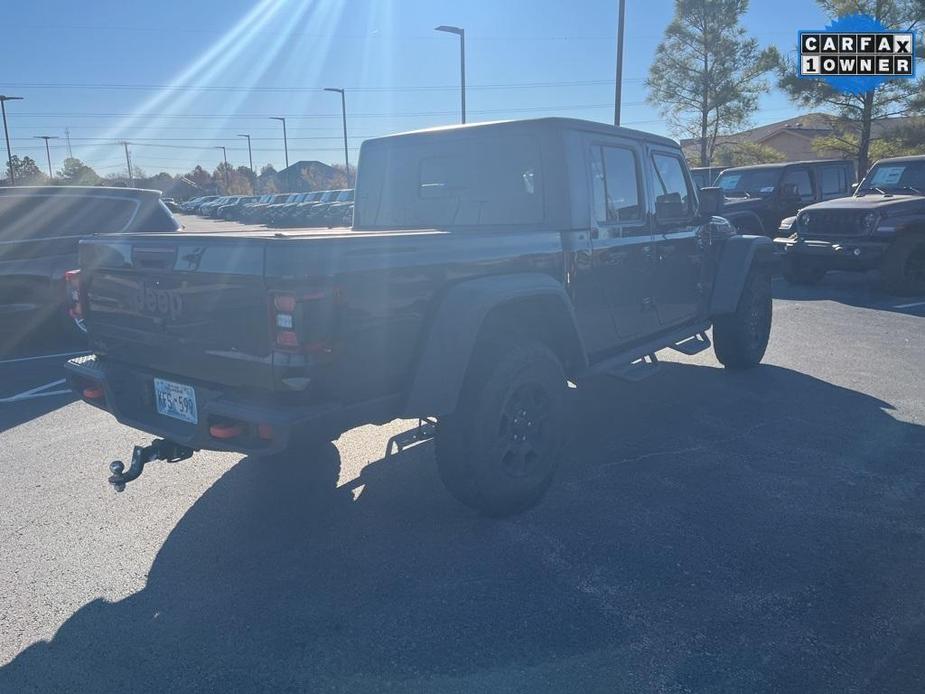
[(39, 392), (912, 305), (43, 356)]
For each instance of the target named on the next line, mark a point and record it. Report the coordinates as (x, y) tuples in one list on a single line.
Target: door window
[(615, 176), (673, 199), (833, 180), (798, 178)]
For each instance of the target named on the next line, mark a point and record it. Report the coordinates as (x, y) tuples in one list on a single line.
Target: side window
[(615, 180), (673, 199), (833, 181), (799, 178)]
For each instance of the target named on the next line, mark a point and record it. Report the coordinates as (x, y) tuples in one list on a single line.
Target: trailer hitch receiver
[(159, 449)]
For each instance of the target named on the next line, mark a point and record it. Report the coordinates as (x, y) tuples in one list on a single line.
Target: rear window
[(42, 216), (480, 181)]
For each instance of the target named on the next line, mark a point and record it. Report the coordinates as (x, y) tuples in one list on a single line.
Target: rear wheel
[(741, 338), (499, 451), (903, 268)]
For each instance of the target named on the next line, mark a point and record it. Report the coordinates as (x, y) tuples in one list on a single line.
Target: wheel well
[(747, 223), (542, 318)]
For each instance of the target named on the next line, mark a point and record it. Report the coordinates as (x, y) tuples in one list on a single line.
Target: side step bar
[(640, 362)]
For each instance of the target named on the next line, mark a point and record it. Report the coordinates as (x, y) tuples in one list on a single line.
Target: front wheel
[(903, 268), (741, 338), (499, 450)]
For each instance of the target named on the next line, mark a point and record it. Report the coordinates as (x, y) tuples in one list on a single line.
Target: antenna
[(67, 138)]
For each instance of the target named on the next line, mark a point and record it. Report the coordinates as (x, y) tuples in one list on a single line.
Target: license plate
[(175, 400)]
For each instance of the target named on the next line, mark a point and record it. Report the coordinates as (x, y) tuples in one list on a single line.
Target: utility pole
[(67, 139), (128, 164), (6, 133), (343, 110), (461, 33), (618, 90), (225, 157), (51, 175)]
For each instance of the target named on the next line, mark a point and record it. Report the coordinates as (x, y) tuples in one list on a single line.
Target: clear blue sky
[(269, 57)]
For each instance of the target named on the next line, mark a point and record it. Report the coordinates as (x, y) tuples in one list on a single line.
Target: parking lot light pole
[(250, 156), (6, 133), (343, 111), (51, 175), (461, 33), (225, 157), (285, 144)]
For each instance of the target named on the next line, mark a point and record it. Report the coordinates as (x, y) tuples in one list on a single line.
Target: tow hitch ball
[(158, 450)]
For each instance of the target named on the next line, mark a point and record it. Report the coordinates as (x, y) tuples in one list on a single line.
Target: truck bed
[(201, 225)]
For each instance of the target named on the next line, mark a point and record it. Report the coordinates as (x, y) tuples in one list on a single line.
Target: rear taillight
[(303, 322), (283, 321), (74, 296)]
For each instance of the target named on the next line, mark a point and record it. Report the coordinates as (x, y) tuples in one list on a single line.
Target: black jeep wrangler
[(759, 197), (881, 226)]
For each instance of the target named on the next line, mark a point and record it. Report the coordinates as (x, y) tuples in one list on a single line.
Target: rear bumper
[(128, 394), (832, 255)]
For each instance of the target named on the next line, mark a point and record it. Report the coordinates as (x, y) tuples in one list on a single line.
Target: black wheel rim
[(914, 268), (524, 432)]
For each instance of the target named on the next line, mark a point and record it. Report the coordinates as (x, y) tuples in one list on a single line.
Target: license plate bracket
[(176, 400)]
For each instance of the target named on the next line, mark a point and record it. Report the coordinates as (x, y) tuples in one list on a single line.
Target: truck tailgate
[(193, 306)]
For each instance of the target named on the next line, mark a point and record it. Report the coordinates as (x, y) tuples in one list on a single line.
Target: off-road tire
[(797, 272), (741, 338), (498, 452), (902, 270)]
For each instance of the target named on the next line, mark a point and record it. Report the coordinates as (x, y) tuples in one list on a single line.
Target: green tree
[(745, 154), (854, 114), (26, 171), (706, 79), (267, 181), (74, 172)]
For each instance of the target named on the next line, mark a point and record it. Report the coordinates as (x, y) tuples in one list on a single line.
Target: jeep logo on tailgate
[(163, 302)]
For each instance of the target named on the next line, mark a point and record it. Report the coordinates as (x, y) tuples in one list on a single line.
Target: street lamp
[(461, 33), (250, 156), (343, 111), (9, 152), (285, 145), (51, 176), (225, 157)]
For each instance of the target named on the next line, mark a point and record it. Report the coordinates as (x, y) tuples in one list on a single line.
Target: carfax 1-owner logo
[(856, 54)]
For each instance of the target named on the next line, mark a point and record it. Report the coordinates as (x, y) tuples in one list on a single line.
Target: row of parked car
[(318, 208), (821, 220)]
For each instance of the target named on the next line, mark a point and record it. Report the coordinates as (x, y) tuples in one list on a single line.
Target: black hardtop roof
[(901, 160), (89, 191), (538, 124), (782, 164)]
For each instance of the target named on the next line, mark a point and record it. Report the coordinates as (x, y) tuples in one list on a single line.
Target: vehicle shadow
[(858, 289), (713, 530)]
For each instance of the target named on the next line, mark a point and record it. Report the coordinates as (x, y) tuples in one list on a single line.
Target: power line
[(295, 89)]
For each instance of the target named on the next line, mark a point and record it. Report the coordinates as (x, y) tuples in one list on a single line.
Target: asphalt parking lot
[(711, 531)]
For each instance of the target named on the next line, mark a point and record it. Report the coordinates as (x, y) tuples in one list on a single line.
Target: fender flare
[(738, 255), (448, 344), (732, 218)]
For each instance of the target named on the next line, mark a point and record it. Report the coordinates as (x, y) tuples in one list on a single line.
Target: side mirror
[(711, 201), (854, 186)]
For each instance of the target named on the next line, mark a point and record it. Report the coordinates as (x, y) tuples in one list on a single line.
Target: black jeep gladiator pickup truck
[(488, 266), (881, 226)]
